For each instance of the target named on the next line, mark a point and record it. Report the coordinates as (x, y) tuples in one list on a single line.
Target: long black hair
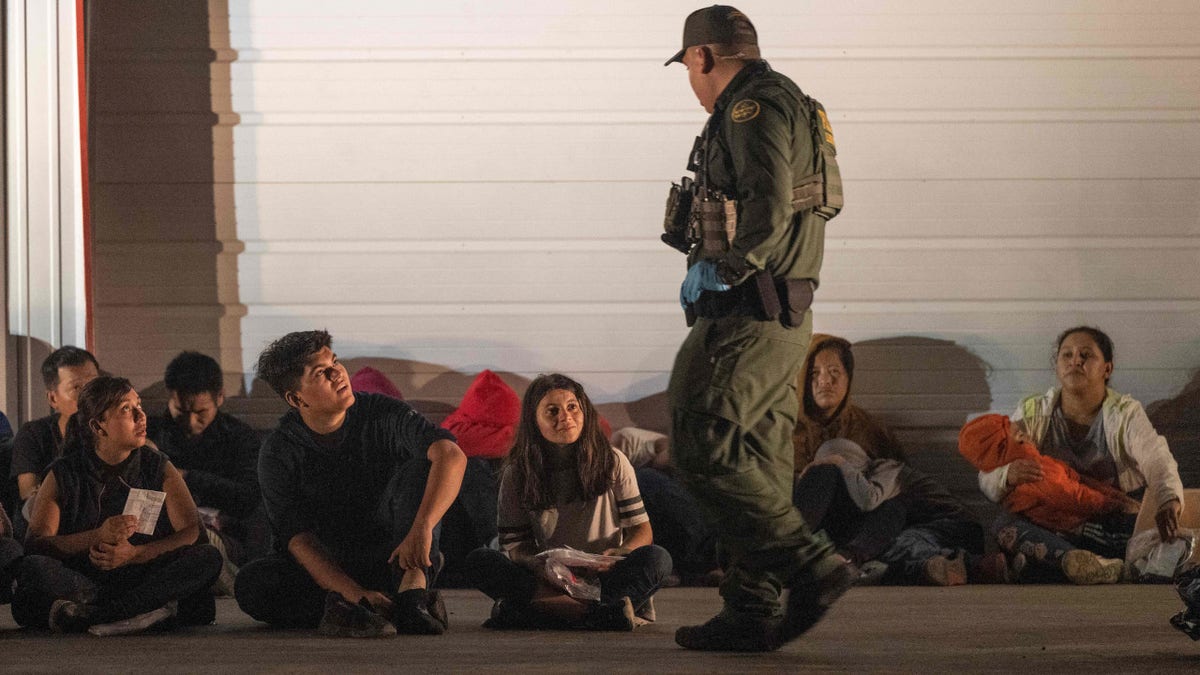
[(526, 463)]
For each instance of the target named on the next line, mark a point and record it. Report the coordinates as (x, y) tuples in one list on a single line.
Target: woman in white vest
[(1107, 438)]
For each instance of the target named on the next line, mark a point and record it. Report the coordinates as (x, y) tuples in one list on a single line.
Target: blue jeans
[(1044, 549), (638, 576), (906, 556)]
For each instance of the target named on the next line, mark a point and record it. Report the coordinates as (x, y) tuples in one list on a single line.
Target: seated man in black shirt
[(354, 486), (40, 442), (216, 453)]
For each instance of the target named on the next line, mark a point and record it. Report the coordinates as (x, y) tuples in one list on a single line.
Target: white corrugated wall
[(455, 186)]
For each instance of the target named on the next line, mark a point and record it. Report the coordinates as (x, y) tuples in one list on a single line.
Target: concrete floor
[(1118, 629)]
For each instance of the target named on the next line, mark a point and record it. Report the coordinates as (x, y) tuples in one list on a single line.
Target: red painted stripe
[(85, 180)]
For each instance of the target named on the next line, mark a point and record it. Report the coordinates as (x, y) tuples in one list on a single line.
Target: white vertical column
[(43, 170)]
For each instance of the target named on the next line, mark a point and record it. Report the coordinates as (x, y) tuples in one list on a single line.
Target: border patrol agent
[(752, 221)]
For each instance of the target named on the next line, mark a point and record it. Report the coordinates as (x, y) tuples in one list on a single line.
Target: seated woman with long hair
[(564, 485), (90, 567)]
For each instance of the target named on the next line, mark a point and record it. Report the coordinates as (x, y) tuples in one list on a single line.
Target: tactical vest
[(822, 189)]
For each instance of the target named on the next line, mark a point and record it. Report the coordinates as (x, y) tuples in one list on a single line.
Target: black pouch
[(676, 220), (795, 296)]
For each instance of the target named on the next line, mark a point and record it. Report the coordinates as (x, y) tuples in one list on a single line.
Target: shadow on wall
[(1178, 419), (925, 390), (165, 255)]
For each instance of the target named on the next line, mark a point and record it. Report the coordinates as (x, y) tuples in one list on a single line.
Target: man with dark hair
[(766, 181), (216, 453), (355, 485), (40, 442)]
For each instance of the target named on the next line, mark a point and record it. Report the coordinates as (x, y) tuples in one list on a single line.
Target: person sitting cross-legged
[(355, 486), (88, 565), (564, 485)]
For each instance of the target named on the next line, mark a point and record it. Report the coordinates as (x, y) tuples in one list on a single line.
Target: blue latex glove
[(700, 277)]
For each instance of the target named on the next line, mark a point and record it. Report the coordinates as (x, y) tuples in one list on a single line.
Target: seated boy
[(354, 485), (1062, 501), (216, 453), (39, 442)]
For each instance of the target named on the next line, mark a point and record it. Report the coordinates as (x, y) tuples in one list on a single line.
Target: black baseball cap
[(719, 25)]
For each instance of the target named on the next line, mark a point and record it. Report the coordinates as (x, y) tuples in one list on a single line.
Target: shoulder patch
[(744, 110), (826, 126)]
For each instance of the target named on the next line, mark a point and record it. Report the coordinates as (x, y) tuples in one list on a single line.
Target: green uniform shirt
[(760, 145)]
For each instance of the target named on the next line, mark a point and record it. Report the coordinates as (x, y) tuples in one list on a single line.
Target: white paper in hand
[(146, 505)]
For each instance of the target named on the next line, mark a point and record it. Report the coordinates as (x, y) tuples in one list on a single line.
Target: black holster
[(784, 299), (761, 296)]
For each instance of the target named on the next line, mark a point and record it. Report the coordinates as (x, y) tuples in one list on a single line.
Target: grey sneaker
[(69, 616), (1086, 568), (871, 573), (136, 624), (343, 618)]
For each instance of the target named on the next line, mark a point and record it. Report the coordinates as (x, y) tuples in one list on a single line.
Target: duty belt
[(789, 300)]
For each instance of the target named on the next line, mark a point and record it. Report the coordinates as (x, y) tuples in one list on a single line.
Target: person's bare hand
[(117, 529), (413, 552), (381, 603), (1024, 471), (111, 556), (1167, 520), (1130, 505), (617, 552)]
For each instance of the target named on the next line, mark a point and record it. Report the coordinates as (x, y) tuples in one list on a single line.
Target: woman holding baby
[(89, 566), (1104, 436)]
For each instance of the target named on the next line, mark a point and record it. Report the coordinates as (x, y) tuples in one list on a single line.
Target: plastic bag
[(575, 572), (1153, 560)]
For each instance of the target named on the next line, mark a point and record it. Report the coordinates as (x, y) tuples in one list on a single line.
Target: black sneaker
[(729, 632), (512, 615), (69, 616), (419, 612), (808, 602), (1189, 625), (617, 616), (343, 618)]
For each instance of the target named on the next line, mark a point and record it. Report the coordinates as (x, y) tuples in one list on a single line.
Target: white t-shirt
[(591, 526)]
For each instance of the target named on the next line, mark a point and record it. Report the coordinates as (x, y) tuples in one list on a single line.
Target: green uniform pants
[(733, 410)]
